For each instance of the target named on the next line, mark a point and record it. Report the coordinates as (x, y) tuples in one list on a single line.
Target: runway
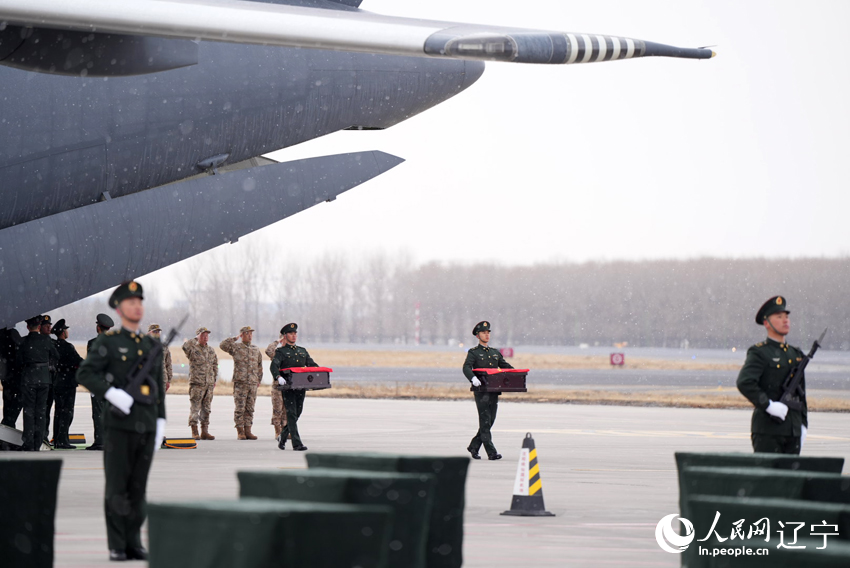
[(608, 472), (583, 378)]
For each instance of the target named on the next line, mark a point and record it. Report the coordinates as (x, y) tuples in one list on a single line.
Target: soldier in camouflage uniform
[(203, 374), (247, 375), (484, 357), (775, 427), (287, 356), (278, 411)]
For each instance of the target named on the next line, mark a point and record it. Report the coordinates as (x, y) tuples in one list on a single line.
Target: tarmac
[(608, 472)]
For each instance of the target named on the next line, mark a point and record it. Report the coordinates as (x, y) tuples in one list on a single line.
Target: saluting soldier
[(131, 430), (64, 387), (287, 356), (484, 357), (203, 374), (247, 375), (10, 376), (776, 429), (36, 355), (103, 323), (278, 411)]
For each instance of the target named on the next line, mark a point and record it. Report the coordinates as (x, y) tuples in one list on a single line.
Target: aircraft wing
[(295, 26)]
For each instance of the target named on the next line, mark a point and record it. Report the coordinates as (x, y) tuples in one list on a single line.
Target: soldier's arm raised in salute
[(190, 348), (272, 348), (228, 345)]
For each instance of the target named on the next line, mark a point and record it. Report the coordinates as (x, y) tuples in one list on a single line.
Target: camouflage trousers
[(278, 411), (200, 404), (244, 395)]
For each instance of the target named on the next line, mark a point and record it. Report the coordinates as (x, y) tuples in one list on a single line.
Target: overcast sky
[(741, 155)]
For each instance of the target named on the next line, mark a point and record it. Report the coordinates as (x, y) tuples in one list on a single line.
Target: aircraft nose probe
[(530, 46)]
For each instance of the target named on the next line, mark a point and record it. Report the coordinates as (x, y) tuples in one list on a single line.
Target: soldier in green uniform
[(36, 355), (484, 357), (132, 430), (775, 428), (44, 329), (286, 356), (103, 324), (64, 387), (10, 376)]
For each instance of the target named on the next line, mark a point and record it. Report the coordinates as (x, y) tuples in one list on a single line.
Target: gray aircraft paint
[(70, 142)]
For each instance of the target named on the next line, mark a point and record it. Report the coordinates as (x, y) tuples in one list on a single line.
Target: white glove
[(476, 382), (803, 436), (778, 409), (120, 399), (281, 381), (160, 433)]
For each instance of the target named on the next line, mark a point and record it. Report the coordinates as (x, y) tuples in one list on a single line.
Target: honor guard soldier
[(484, 357), (36, 355), (64, 387), (278, 411), (776, 428), (203, 374), (44, 329), (247, 376), (132, 430), (287, 356), (103, 323), (10, 376)]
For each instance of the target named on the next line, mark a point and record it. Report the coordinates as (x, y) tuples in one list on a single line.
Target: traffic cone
[(528, 490)]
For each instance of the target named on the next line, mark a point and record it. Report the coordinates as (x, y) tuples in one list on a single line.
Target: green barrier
[(760, 482), (835, 555), (770, 461), (28, 511), (445, 526), (409, 494), (766, 513), (252, 533)]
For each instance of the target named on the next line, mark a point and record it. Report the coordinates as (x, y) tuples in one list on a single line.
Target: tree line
[(706, 302)]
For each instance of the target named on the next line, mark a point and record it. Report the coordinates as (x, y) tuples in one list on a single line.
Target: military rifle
[(792, 388), (140, 385)]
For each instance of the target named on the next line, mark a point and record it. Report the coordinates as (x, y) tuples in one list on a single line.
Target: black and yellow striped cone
[(528, 490)]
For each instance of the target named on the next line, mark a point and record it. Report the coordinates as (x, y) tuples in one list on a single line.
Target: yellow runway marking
[(664, 434)]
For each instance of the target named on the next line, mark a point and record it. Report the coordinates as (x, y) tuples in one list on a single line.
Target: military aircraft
[(133, 132)]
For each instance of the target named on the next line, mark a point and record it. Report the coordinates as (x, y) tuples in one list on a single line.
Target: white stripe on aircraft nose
[(573, 48), (603, 47), (615, 52)]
